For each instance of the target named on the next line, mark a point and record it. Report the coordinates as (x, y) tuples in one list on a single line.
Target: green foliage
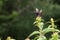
[(16, 16), (42, 31)]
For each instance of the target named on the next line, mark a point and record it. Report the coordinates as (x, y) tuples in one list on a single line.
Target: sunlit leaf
[(46, 30), (42, 38), (33, 33)]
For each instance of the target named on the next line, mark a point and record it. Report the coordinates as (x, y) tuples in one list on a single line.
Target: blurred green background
[(17, 16)]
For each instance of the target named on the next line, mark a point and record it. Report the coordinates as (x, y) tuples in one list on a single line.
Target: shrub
[(39, 22)]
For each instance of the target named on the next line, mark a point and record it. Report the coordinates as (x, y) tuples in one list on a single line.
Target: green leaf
[(33, 33), (35, 38), (42, 38), (46, 30)]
